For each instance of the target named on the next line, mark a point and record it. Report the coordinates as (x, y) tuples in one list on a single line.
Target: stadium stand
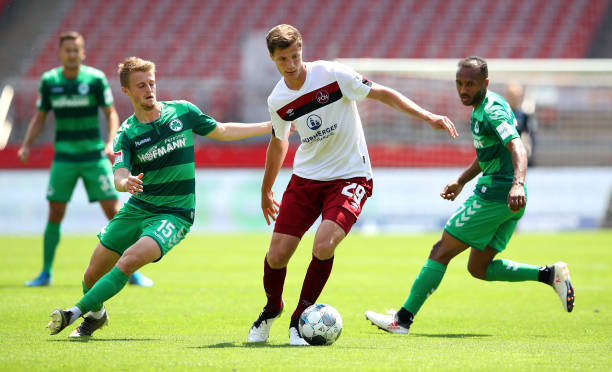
[(198, 45), (195, 40)]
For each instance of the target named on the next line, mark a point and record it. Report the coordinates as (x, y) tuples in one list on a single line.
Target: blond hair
[(282, 37), (133, 64), (71, 35)]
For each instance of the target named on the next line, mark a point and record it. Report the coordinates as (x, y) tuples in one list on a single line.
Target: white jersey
[(324, 112)]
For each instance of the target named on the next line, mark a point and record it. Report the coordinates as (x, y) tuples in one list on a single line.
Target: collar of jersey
[(306, 81), (161, 112)]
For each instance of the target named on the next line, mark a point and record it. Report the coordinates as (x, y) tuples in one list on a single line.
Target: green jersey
[(163, 151), (493, 125), (75, 104)]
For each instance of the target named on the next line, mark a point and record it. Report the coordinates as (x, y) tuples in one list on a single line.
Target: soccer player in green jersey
[(487, 219), (74, 92), (154, 161)]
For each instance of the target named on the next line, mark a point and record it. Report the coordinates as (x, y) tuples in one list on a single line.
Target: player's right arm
[(453, 189), (275, 156), (125, 182), (122, 164), (34, 129)]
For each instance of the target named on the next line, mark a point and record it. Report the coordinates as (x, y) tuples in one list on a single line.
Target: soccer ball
[(320, 324)]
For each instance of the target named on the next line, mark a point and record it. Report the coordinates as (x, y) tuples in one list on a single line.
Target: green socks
[(85, 290), (105, 288), (424, 285), (432, 273), (50, 240), (510, 271)]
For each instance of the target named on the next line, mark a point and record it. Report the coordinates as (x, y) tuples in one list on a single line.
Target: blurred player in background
[(527, 124), (332, 175), (154, 161), (487, 219), (74, 92)]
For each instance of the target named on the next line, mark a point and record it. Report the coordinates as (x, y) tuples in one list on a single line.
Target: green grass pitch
[(208, 291)]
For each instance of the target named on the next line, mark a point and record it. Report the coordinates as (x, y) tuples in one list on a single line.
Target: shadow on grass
[(450, 335), (223, 345), (44, 287), (91, 339), (249, 345)]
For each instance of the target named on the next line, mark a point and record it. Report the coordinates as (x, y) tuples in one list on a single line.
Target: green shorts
[(97, 177), (131, 223), (481, 223)]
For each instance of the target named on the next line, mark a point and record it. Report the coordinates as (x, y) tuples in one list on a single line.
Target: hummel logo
[(145, 140)]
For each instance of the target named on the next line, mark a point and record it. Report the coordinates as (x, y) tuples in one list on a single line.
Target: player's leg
[(139, 237), (328, 236), (110, 207), (424, 285), (98, 180), (282, 247), (62, 180), (101, 262), (298, 211), (144, 251), (481, 265), (343, 201)]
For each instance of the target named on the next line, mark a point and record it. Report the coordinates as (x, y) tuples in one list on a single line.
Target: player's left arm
[(112, 121), (238, 131), (401, 103), (516, 196)]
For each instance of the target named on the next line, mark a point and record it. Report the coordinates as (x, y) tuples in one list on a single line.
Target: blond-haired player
[(154, 162)]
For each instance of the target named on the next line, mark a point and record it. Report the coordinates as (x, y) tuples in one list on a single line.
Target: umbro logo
[(290, 112)]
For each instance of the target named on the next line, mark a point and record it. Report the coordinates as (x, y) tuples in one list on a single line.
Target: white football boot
[(386, 322), (260, 330), (562, 284), (295, 339)]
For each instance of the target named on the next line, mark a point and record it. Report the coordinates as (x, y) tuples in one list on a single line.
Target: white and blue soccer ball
[(320, 324)]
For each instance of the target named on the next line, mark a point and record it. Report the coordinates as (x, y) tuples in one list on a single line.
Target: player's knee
[(323, 250), (277, 259), (56, 213), (129, 263), (438, 253), (477, 271), (89, 278)]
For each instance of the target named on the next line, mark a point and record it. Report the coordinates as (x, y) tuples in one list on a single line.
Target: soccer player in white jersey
[(332, 175)]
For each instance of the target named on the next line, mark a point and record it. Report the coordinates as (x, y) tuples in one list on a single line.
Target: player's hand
[(451, 190), (439, 122), (516, 197), (23, 153), (108, 150), (269, 206), (133, 184)]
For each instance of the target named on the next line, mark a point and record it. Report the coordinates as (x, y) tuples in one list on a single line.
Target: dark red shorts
[(305, 200)]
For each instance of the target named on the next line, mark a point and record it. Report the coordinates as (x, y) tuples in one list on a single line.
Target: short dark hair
[(475, 62), (71, 35), (282, 37)]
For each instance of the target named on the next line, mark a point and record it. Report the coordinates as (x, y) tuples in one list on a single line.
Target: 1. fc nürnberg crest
[(322, 97)]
